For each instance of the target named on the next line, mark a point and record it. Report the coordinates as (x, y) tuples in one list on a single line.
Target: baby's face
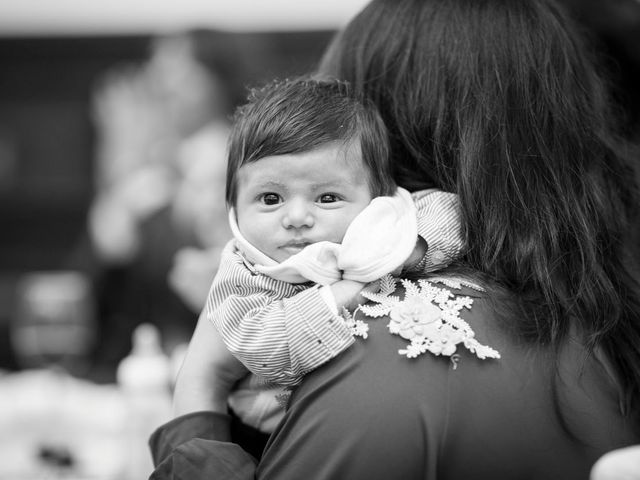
[(286, 202)]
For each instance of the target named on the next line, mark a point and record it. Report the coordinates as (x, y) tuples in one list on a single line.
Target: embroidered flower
[(428, 317), (358, 327), (415, 316), (448, 339)]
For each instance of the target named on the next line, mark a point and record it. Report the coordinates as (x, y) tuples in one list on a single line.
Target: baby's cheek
[(341, 230)]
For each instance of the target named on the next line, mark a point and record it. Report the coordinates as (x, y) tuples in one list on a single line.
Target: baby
[(315, 216)]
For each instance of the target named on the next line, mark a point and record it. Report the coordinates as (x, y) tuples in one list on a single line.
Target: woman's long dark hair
[(500, 102)]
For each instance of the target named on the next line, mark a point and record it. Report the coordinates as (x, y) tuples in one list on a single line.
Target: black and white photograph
[(320, 240)]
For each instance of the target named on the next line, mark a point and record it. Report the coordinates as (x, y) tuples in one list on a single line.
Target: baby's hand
[(347, 294)]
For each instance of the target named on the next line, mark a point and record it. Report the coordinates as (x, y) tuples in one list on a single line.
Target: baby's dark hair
[(302, 114)]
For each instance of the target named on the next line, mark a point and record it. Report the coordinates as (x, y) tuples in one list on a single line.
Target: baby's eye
[(328, 198), (270, 198)]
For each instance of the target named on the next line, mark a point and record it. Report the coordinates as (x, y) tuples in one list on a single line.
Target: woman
[(497, 101)]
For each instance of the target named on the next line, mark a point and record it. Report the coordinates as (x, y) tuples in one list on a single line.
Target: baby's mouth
[(294, 247)]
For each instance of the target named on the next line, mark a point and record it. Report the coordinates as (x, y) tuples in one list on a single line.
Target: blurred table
[(54, 426)]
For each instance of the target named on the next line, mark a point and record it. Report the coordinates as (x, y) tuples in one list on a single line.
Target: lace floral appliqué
[(358, 327), (428, 317)]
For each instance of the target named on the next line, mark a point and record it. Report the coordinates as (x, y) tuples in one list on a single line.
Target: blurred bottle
[(144, 377), (54, 321)]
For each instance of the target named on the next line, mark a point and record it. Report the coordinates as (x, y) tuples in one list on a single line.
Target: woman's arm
[(208, 373), (198, 441)]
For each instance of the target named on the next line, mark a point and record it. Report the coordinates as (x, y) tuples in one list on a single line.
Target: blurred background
[(113, 123)]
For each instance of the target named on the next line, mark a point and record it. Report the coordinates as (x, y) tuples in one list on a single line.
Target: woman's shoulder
[(435, 386)]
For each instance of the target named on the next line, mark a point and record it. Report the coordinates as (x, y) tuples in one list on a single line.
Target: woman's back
[(374, 414)]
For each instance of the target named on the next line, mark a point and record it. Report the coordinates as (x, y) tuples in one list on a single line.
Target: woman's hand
[(208, 373)]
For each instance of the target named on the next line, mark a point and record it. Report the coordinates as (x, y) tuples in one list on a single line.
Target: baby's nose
[(298, 214)]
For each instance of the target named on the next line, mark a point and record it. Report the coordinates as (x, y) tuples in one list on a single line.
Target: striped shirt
[(438, 218), (279, 331)]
